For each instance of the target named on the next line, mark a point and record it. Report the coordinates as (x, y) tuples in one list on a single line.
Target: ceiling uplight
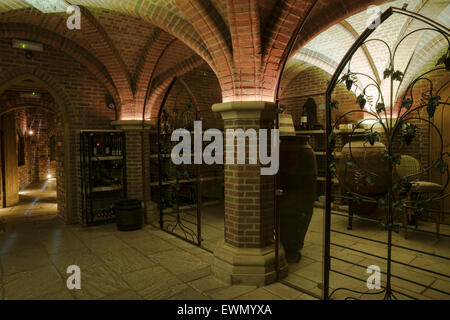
[(49, 6)]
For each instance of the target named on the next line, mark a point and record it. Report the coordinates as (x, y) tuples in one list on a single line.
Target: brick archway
[(63, 102)]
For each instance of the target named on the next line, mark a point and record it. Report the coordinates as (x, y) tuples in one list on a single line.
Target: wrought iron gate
[(404, 196), (179, 185)]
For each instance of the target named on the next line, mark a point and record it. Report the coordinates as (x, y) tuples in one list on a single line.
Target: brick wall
[(43, 126), (25, 169), (83, 99), (314, 82)]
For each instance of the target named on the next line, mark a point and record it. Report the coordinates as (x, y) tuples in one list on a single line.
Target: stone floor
[(308, 273), (36, 248)]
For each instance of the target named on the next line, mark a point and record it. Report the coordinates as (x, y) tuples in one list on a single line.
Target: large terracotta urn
[(298, 174), (367, 160)]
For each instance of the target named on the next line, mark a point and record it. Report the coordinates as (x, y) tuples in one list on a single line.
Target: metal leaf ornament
[(433, 102), (445, 59), (410, 132), (334, 105), (348, 81), (361, 101), (380, 107), (442, 166), (387, 73), (372, 137), (369, 179), (350, 164), (397, 75), (333, 167), (407, 103), (381, 203)]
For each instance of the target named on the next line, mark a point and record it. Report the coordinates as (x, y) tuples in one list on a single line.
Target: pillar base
[(250, 266)]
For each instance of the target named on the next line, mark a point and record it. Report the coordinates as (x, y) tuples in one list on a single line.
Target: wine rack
[(103, 174)]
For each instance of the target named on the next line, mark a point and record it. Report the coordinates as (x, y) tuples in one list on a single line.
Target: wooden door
[(9, 161)]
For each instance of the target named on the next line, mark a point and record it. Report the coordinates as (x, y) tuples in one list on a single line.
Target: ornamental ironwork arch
[(396, 125)]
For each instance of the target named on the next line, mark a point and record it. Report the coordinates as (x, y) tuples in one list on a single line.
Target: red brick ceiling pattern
[(125, 43)]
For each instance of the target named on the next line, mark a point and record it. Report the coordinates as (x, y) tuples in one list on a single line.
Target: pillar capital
[(245, 110), (133, 125)]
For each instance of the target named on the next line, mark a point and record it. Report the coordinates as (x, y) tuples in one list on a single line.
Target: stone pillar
[(247, 254), (138, 177)]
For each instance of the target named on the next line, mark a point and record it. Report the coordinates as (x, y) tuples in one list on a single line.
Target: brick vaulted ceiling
[(327, 49), (125, 43)]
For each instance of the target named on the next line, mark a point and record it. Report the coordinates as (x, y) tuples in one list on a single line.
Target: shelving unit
[(318, 142), (103, 173)]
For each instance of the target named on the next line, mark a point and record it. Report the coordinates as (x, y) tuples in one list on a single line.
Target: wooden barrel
[(298, 174), (128, 214)]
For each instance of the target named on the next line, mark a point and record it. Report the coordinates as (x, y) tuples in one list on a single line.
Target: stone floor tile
[(34, 284), (301, 281), (230, 293), (84, 258), (440, 285), (150, 244), (259, 294), (282, 291), (125, 260), (189, 294), (106, 243), (207, 283), (98, 282), (154, 283), (123, 295), (15, 262), (184, 265)]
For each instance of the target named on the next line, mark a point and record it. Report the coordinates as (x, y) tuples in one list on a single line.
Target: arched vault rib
[(121, 77), (162, 82), (347, 26), (30, 32)]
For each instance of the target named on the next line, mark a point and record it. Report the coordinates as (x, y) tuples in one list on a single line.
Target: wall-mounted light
[(27, 45), (30, 95), (30, 132)]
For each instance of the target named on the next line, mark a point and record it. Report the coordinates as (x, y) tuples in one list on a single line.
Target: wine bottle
[(114, 152), (119, 143), (304, 120), (107, 145)]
